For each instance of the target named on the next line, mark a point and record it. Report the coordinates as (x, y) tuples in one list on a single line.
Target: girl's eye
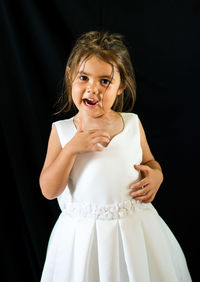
[(83, 77), (105, 81)]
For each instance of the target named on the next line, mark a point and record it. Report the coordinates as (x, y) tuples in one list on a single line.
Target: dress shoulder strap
[(65, 129), (132, 127), (132, 121)]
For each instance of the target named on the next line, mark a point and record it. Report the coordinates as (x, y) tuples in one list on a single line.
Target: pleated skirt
[(137, 248)]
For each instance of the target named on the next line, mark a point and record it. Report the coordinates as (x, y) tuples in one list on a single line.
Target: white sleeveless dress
[(102, 234)]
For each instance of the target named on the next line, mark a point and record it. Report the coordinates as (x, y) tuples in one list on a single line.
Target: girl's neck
[(98, 122)]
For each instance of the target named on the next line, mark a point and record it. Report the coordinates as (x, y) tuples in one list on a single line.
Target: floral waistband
[(104, 212)]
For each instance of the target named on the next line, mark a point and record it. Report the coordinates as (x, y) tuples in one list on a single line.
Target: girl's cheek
[(76, 88)]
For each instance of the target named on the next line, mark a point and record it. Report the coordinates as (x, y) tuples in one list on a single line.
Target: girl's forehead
[(95, 63)]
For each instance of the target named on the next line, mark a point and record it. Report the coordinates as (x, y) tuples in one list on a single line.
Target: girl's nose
[(92, 89)]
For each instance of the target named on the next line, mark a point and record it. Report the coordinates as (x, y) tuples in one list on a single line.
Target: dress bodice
[(103, 177)]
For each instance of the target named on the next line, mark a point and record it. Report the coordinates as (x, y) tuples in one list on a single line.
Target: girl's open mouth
[(90, 102)]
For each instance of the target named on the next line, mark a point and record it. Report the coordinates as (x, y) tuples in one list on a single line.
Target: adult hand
[(146, 189)]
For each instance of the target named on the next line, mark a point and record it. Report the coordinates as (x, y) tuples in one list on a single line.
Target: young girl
[(100, 168)]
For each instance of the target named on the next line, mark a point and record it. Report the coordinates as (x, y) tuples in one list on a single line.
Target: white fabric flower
[(107, 212)]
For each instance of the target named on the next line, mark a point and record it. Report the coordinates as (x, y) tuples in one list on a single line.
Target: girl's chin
[(97, 112), (94, 111)]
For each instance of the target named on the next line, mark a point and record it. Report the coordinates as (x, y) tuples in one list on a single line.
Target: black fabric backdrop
[(36, 38)]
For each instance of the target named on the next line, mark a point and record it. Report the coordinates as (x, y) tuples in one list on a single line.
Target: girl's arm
[(151, 171), (57, 167)]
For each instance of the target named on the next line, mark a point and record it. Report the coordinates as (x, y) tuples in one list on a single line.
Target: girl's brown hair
[(110, 48)]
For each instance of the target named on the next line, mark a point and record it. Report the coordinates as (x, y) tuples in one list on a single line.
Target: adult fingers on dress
[(140, 192), (142, 168), (140, 184), (143, 197), (149, 200)]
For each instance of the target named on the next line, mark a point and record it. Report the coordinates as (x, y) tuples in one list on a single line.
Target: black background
[(36, 38)]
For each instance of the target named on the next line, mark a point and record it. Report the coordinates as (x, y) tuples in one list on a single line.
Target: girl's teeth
[(90, 102)]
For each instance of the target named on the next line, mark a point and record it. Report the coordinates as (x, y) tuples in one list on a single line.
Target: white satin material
[(102, 235)]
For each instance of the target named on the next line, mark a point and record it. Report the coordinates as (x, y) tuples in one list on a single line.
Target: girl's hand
[(146, 189), (88, 141)]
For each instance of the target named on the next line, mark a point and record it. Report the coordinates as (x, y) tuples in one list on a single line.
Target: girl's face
[(95, 87)]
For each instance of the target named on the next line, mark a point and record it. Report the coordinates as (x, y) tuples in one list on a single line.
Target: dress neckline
[(115, 136)]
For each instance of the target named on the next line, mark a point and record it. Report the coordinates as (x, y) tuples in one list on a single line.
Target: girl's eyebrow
[(101, 76)]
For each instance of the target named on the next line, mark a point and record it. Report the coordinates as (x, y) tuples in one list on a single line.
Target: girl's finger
[(100, 140), (98, 147), (99, 133)]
